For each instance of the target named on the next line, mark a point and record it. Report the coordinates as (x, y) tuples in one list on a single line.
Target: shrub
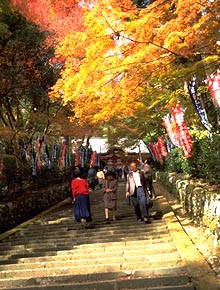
[(206, 158), (176, 162), (204, 162)]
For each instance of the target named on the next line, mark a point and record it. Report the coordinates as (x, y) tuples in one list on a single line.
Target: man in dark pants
[(91, 177), (137, 189)]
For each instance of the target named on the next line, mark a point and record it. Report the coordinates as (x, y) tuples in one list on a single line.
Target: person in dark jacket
[(110, 196), (91, 177)]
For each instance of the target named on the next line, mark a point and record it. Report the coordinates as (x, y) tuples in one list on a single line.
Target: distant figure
[(119, 172), (91, 177), (110, 196), (101, 177), (126, 171), (80, 193), (105, 170)]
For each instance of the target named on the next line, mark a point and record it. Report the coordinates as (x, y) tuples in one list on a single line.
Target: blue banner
[(198, 104), (47, 157)]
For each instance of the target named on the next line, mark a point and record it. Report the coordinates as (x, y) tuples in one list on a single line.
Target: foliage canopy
[(128, 66)]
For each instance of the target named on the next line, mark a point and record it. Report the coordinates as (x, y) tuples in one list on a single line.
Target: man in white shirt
[(137, 189)]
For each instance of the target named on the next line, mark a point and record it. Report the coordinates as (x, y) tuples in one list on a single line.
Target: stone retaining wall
[(200, 201), (30, 204)]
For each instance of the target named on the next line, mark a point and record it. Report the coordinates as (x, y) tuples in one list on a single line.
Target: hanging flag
[(38, 149), (93, 158), (62, 162), (213, 83), (182, 133), (151, 152), (55, 152), (156, 152), (23, 149), (170, 145), (33, 163), (69, 163), (161, 146), (82, 156), (77, 158), (1, 163), (170, 127), (99, 156), (198, 104), (47, 157)]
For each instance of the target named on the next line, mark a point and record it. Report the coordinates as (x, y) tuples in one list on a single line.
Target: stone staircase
[(53, 252)]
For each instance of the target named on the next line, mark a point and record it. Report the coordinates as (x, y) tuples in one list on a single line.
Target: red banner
[(63, 155), (182, 133), (93, 158), (213, 83), (77, 158), (161, 146), (38, 149), (154, 148), (170, 127)]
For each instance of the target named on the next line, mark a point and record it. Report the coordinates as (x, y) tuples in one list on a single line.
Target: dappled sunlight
[(57, 221), (55, 249)]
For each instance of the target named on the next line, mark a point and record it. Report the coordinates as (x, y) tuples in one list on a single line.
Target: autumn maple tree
[(130, 64), (57, 17), (126, 61), (26, 75)]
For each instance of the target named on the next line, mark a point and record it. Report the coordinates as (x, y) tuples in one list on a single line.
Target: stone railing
[(200, 201), (30, 204)]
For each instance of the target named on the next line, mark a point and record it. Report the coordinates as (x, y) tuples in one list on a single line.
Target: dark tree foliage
[(25, 77)]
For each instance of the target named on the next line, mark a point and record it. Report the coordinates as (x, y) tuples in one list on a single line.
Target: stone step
[(119, 258), (126, 265), (70, 279), (157, 247), (78, 254), (93, 253), (113, 281), (53, 252), (85, 234), (106, 285), (62, 250), (127, 226), (56, 243)]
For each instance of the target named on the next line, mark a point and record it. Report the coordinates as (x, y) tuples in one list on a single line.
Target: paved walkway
[(51, 251)]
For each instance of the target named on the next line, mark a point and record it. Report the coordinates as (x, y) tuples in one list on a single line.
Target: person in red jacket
[(80, 193)]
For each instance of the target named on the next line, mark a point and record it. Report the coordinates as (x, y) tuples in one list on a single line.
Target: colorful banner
[(77, 158), (156, 152), (55, 152), (63, 155), (151, 153), (38, 149), (161, 146), (182, 133), (33, 163), (213, 83), (93, 160), (99, 156), (82, 156), (1, 163), (198, 104), (170, 127), (47, 157)]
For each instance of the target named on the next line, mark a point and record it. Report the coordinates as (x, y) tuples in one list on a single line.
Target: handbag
[(149, 202)]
